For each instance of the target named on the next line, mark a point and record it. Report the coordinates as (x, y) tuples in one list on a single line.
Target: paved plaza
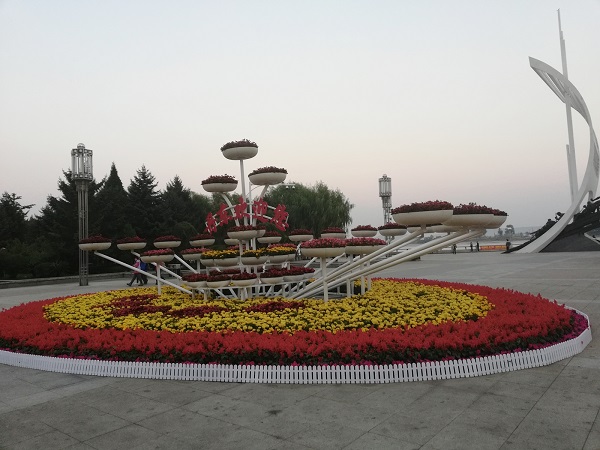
[(553, 407)]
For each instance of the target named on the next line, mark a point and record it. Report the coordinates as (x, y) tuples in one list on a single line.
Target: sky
[(437, 95)]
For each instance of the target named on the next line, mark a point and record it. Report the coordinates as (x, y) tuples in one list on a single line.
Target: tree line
[(45, 245)]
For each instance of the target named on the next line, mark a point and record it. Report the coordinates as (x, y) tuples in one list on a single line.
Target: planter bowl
[(231, 241), (422, 217), (361, 249), (300, 237), (333, 235), (202, 242), (269, 239), (95, 246), (392, 231), (496, 222), (271, 280), (244, 283), (157, 258), (237, 153), (195, 284), (227, 262), (469, 220), (131, 246), (363, 233), (253, 261), (267, 178), (167, 244), (219, 187), (192, 256), (324, 252), (243, 235), (217, 284)]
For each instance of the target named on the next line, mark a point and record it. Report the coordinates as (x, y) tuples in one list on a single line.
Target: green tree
[(110, 216), (13, 218), (315, 207), (144, 202)]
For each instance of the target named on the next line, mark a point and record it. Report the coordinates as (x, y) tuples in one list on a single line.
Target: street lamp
[(385, 192), (82, 174)]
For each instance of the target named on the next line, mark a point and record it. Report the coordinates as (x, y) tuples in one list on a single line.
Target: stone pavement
[(553, 407)]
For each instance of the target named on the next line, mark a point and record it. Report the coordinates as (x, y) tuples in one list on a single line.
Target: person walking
[(143, 276), (454, 249), (136, 275)]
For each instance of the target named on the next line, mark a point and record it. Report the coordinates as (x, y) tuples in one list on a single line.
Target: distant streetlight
[(385, 192), (82, 174)]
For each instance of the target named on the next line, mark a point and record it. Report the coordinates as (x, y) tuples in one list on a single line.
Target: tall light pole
[(82, 174), (385, 192)]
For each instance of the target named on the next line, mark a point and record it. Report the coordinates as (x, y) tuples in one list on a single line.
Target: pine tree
[(111, 215), (144, 202)]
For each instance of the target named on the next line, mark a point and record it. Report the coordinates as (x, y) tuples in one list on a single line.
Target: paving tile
[(580, 379), (327, 435), (372, 441), (466, 436), (313, 410), (412, 428), (128, 406), (17, 426), (124, 438), (182, 423), (75, 419), (533, 435), (47, 441), (273, 396), (593, 441)]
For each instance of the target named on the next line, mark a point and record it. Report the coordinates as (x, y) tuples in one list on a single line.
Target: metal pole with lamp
[(82, 174), (385, 192)]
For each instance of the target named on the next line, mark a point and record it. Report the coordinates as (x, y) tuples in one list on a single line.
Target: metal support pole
[(82, 220)]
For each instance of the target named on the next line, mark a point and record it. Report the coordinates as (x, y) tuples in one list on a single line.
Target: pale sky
[(438, 95)]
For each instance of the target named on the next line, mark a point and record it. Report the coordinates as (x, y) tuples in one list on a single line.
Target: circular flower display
[(397, 321)]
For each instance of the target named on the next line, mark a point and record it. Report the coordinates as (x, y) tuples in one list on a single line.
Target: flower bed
[(242, 143), (396, 322)]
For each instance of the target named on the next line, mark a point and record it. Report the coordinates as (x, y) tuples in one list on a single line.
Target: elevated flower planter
[(219, 187), (422, 217), (157, 258), (131, 246), (267, 178), (95, 246)]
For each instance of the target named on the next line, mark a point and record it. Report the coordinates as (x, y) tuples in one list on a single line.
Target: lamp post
[(385, 192), (82, 174)]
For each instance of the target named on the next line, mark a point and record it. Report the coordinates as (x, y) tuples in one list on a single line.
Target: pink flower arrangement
[(167, 238), (364, 228), (131, 240), (436, 205), (242, 143), (274, 273), (392, 226), (472, 208), (219, 277), (195, 277), (299, 231), (193, 250), (364, 241), (297, 270), (333, 230), (160, 251), (219, 179), (95, 239), (271, 234), (244, 276), (324, 243), (268, 169), (199, 237), (244, 228)]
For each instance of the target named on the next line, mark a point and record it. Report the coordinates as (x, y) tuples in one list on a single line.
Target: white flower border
[(388, 373)]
